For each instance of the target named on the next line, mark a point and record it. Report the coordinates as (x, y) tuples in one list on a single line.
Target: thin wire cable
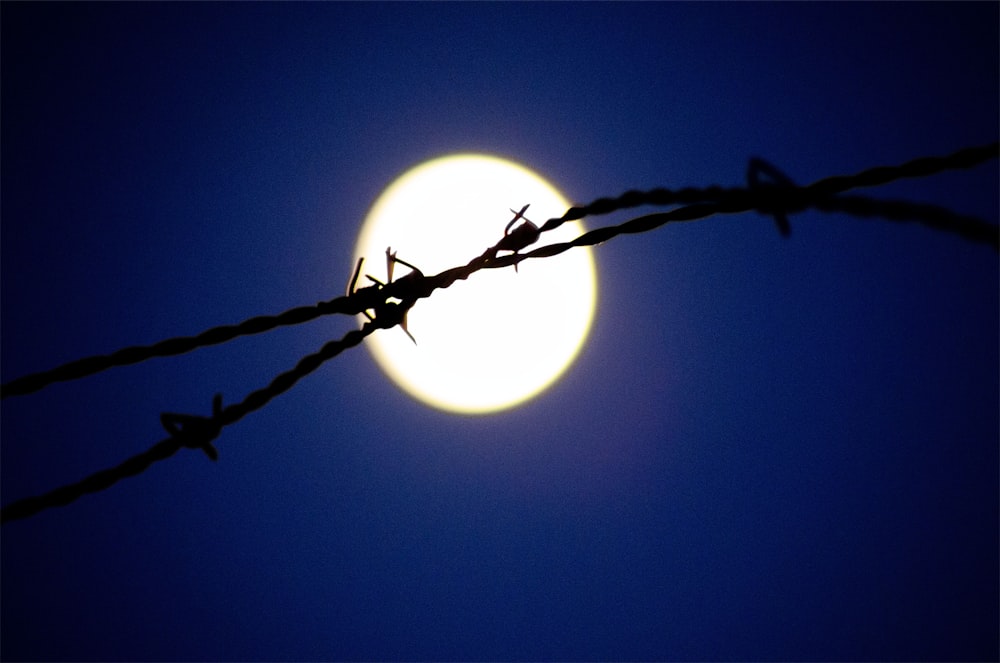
[(777, 199)]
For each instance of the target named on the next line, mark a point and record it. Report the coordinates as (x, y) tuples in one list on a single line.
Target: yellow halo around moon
[(500, 337)]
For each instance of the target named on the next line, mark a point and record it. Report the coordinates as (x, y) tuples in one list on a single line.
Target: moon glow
[(501, 337)]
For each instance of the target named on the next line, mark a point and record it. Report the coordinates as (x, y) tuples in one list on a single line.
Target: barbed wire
[(877, 176), (769, 192), (778, 198), (186, 430)]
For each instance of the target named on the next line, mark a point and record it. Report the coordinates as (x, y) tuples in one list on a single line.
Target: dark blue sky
[(768, 449)]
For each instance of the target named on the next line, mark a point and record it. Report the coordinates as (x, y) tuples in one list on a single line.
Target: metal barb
[(779, 181), (194, 431)]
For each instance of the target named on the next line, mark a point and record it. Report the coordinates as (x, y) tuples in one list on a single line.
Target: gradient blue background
[(768, 449)]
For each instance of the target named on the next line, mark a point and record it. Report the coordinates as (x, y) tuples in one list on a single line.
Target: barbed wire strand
[(978, 231), (879, 175), (392, 300), (776, 199), (197, 433), (175, 346)]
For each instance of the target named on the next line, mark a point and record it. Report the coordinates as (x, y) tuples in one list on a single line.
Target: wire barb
[(391, 313), (522, 236), (758, 168), (193, 431)]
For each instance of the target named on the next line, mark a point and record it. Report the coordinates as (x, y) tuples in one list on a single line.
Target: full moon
[(502, 336)]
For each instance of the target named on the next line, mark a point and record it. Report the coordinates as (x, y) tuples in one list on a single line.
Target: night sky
[(768, 448)]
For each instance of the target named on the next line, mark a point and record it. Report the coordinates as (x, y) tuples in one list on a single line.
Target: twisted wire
[(776, 199), (96, 482), (921, 167), (970, 228), (392, 300), (772, 199), (80, 368), (197, 436)]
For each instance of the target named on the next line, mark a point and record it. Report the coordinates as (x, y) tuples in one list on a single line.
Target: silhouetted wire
[(970, 228), (922, 167), (175, 346), (196, 432), (778, 198)]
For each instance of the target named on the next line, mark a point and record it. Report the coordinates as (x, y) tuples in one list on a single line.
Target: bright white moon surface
[(500, 337)]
